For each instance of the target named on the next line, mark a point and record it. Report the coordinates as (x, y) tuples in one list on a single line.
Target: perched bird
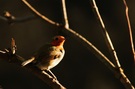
[(49, 55)]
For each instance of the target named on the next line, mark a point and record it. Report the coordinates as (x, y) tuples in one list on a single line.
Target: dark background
[(79, 69)]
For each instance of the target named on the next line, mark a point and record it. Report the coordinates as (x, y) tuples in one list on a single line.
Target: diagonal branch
[(106, 35), (65, 14), (123, 78), (129, 28), (39, 14)]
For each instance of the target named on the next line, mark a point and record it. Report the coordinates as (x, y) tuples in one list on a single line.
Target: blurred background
[(79, 69)]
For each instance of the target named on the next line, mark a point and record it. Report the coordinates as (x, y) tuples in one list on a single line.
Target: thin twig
[(129, 28), (123, 78), (8, 17), (2, 52), (65, 14), (46, 78), (13, 46), (106, 35), (91, 48), (39, 14)]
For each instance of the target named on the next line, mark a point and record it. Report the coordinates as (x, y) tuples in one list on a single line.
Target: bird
[(49, 55)]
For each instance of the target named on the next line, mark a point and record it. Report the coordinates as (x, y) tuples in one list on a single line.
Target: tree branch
[(129, 28), (65, 14), (39, 14), (10, 56), (8, 17), (123, 78), (106, 35)]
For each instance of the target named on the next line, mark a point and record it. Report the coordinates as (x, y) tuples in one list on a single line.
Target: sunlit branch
[(106, 35), (123, 78), (129, 28), (39, 14), (65, 14)]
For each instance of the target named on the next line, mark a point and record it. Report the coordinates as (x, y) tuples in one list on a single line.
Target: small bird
[(49, 55)]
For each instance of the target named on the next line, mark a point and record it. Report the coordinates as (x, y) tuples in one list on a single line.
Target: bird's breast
[(54, 58)]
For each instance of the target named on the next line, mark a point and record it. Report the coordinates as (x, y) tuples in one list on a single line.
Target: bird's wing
[(45, 52), (42, 52)]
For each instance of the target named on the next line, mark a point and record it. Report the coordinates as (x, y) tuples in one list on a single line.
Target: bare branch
[(13, 46), (14, 58), (65, 14), (45, 77), (2, 52), (123, 78), (106, 35), (39, 14), (91, 48), (129, 28), (8, 17)]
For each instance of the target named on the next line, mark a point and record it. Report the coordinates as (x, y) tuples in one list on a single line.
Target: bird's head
[(58, 41)]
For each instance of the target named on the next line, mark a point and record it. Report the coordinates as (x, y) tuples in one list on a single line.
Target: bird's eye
[(56, 38)]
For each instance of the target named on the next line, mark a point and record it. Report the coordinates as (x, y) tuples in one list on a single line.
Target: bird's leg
[(50, 74)]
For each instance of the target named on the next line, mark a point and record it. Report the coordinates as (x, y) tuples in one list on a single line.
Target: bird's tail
[(28, 61)]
